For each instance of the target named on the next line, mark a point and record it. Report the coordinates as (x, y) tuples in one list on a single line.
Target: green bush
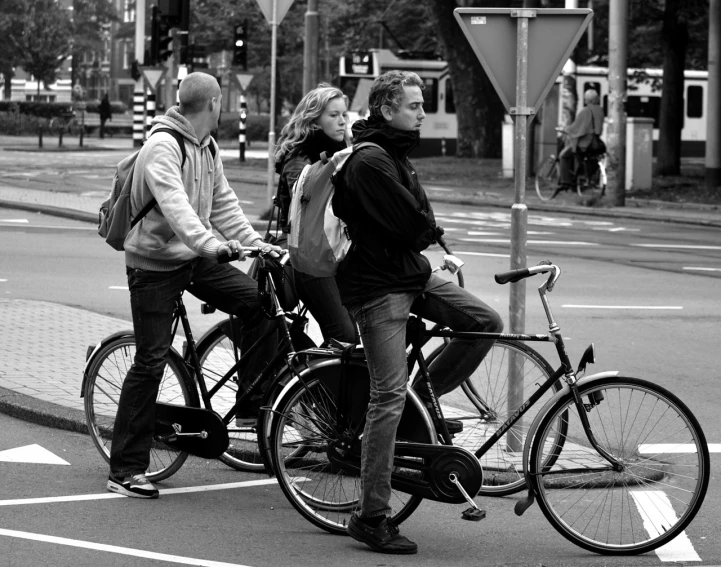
[(39, 109), (256, 126)]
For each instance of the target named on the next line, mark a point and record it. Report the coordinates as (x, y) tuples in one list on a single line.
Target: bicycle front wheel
[(323, 484), (507, 376), (547, 178), (664, 467), (103, 384)]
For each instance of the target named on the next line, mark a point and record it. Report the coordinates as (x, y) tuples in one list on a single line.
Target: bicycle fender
[(91, 355), (564, 391)]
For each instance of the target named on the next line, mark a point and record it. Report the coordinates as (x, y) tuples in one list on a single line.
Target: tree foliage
[(11, 17)]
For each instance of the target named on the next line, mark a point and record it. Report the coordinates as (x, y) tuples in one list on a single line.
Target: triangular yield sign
[(281, 9), (153, 76), (552, 36), (31, 454), (243, 80)]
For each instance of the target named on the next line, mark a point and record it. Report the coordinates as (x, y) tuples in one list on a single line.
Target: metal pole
[(713, 119), (519, 217), (310, 51), (241, 131), (150, 107), (271, 127), (617, 76), (139, 91)]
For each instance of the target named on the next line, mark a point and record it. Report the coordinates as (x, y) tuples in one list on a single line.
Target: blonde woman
[(317, 125)]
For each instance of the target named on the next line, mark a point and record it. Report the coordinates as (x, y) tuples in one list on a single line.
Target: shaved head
[(196, 92)]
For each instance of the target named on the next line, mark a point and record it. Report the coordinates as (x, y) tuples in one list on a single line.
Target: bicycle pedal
[(473, 514)]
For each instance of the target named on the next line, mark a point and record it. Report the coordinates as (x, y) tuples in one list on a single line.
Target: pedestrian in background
[(318, 125), (105, 113), (384, 278)]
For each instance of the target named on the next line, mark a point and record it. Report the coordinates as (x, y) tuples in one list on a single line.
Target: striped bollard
[(241, 130), (138, 115), (150, 113)]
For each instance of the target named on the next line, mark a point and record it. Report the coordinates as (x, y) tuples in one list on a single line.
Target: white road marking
[(701, 269), (679, 246), (18, 221), (31, 454), (111, 495), (531, 242), (2, 280), (119, 287), (573, 306), (474, 233), (483, 254), (657, 513), (116, 549), (657, 448), (620, 229)]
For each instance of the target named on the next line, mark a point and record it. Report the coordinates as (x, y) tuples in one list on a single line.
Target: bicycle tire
[(547, 177), (103, 383), (487, 388), (592, 187), (666, 468), (217, 356), (306, 416)]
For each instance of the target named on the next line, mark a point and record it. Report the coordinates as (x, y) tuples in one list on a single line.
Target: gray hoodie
[(189, 203)]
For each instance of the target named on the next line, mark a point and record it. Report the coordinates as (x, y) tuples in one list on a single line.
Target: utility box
[(639, 153)]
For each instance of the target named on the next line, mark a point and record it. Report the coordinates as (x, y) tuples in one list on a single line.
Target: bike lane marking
[(108, 495), (116, 549)]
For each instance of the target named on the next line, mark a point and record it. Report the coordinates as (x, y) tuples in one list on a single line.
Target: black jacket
[(388, 215), (291, 164)]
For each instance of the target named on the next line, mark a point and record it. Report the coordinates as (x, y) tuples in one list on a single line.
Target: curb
[(41, 412)]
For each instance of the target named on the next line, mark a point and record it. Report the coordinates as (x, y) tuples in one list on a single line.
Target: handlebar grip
[(225, 258), (512, 276)]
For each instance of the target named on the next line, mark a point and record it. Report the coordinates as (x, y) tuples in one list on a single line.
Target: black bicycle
[(190, 378), (618, 465)]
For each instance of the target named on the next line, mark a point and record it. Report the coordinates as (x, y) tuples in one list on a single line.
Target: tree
[(90, 20), (11, 17), (45, 39), (479, 110)]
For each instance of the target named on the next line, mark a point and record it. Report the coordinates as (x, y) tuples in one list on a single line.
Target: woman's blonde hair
[(305, 115)]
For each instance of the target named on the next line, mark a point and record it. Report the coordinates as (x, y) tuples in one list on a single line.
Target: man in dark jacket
[(385, 277)]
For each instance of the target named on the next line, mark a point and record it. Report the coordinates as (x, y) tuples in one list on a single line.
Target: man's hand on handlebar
[(233, 250)]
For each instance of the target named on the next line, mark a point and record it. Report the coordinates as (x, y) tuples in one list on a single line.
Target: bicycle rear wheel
[(482, 404), (103, 382), (591, 182), (308, 421), (547, 178), (665, 467)]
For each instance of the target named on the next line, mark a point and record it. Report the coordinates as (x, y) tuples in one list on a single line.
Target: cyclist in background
[(317, 125), (578, 135)]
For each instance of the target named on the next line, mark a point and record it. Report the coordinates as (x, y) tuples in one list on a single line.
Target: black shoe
[(136, 486), (454, 426), (384, 538)]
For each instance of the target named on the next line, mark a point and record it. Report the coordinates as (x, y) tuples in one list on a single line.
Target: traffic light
[(240, 45), (161, 42)]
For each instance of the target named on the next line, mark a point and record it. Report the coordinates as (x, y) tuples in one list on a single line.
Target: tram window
[(430, 96), (644, 107), (694, 101), (450, 102)]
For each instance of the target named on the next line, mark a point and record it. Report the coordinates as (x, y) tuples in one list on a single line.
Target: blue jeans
[(382, 322), (152, 301)]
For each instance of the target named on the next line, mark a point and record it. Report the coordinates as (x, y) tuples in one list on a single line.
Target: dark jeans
[(382, 321), (152, 301), (322, 298)]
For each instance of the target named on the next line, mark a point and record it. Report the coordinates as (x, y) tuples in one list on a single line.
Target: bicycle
[(618, 465), (187, 381), (591, 178)]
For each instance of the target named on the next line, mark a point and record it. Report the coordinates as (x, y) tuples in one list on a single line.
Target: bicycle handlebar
[(254, 252), (522, 273)]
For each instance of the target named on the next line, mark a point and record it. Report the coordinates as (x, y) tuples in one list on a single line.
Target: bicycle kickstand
[(474, 513)]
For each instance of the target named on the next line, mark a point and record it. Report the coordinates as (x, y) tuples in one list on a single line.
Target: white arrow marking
[(31, 454)]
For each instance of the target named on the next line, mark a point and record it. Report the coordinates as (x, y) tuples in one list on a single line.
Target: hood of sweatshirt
[(173, 119)]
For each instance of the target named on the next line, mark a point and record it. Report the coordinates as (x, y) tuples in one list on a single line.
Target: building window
[(694, 101), (644, 107)]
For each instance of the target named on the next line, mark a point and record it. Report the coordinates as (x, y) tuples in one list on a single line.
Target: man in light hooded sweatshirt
[(173, 249)]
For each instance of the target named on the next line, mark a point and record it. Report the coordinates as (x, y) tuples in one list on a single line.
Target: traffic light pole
[(139, 91), (271, 127)]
